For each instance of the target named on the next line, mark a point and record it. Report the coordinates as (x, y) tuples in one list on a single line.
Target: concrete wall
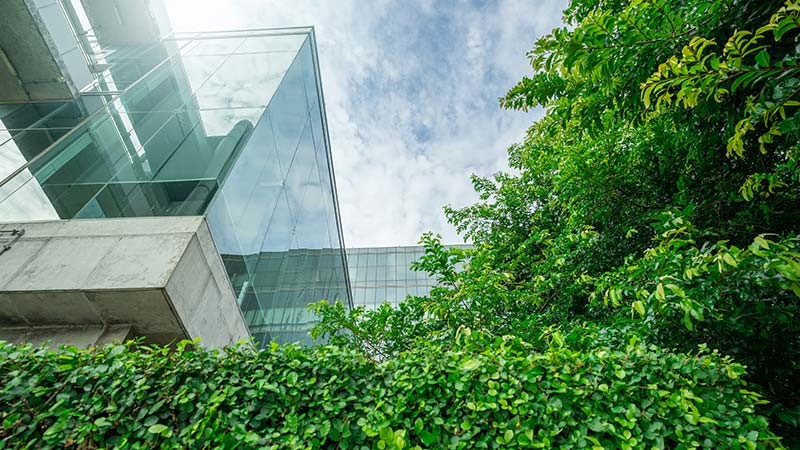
[(162, 276), (56, 30), (40, 58)]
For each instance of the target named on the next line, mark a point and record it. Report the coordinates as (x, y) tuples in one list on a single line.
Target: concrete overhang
[(160, 276), (31, 64)]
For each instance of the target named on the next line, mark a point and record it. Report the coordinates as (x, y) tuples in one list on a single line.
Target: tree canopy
[(659, 197)]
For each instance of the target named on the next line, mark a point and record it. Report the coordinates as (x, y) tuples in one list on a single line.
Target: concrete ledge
[(160, 275), (83, 336)]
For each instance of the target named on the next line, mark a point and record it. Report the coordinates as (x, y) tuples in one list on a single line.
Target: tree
[(659, 197)]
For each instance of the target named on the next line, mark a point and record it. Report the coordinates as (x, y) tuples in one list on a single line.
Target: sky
[(411, 89)]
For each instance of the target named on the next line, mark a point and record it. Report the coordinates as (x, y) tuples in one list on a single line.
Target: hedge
[(496, 394)]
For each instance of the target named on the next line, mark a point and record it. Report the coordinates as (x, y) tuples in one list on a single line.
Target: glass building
[(383, 274), (226, 125)]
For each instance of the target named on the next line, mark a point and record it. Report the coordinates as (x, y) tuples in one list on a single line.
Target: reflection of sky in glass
[(10, 157), (214, 46), (232, 86), (218, 122), (311, 229), (31, 199), (384, 274), (198, 69), (274, 219)]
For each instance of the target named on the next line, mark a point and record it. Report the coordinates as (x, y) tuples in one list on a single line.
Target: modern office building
[(158, 184), (383, 274)]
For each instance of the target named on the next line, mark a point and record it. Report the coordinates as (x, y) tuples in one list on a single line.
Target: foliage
[(742, 300), (750, 61), (488, 393), (638, 204)]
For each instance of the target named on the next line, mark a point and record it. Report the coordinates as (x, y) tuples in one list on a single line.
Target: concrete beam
[(40, 58), (81, 336), (160, 275)]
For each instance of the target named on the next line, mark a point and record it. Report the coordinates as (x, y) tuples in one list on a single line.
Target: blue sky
[(411, 92)]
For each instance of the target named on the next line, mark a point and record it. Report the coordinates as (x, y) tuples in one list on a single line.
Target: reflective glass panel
[(226, 126)]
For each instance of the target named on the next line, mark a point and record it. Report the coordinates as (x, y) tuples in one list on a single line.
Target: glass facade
[(283, 283), (226, 125), (383, 274)]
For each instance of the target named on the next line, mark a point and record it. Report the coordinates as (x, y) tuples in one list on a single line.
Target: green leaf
[(687, 321), (418, 425), (595, 424), (762, 58), (638, 306), (427, 437), (386, 434), (157, 428), (102, 422), (660, 292), (558, 339), (325, 428), (729, 260), (470, 365)]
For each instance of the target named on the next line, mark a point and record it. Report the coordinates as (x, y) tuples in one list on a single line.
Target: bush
[(490, 393)]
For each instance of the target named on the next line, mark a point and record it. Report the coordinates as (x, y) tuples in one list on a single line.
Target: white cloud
[(411, 92)]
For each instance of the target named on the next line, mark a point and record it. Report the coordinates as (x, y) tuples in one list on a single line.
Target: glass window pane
[(223, 46), (286, 43), (234, 83)]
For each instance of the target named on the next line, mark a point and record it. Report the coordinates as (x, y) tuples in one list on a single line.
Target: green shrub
[(490, 393)]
